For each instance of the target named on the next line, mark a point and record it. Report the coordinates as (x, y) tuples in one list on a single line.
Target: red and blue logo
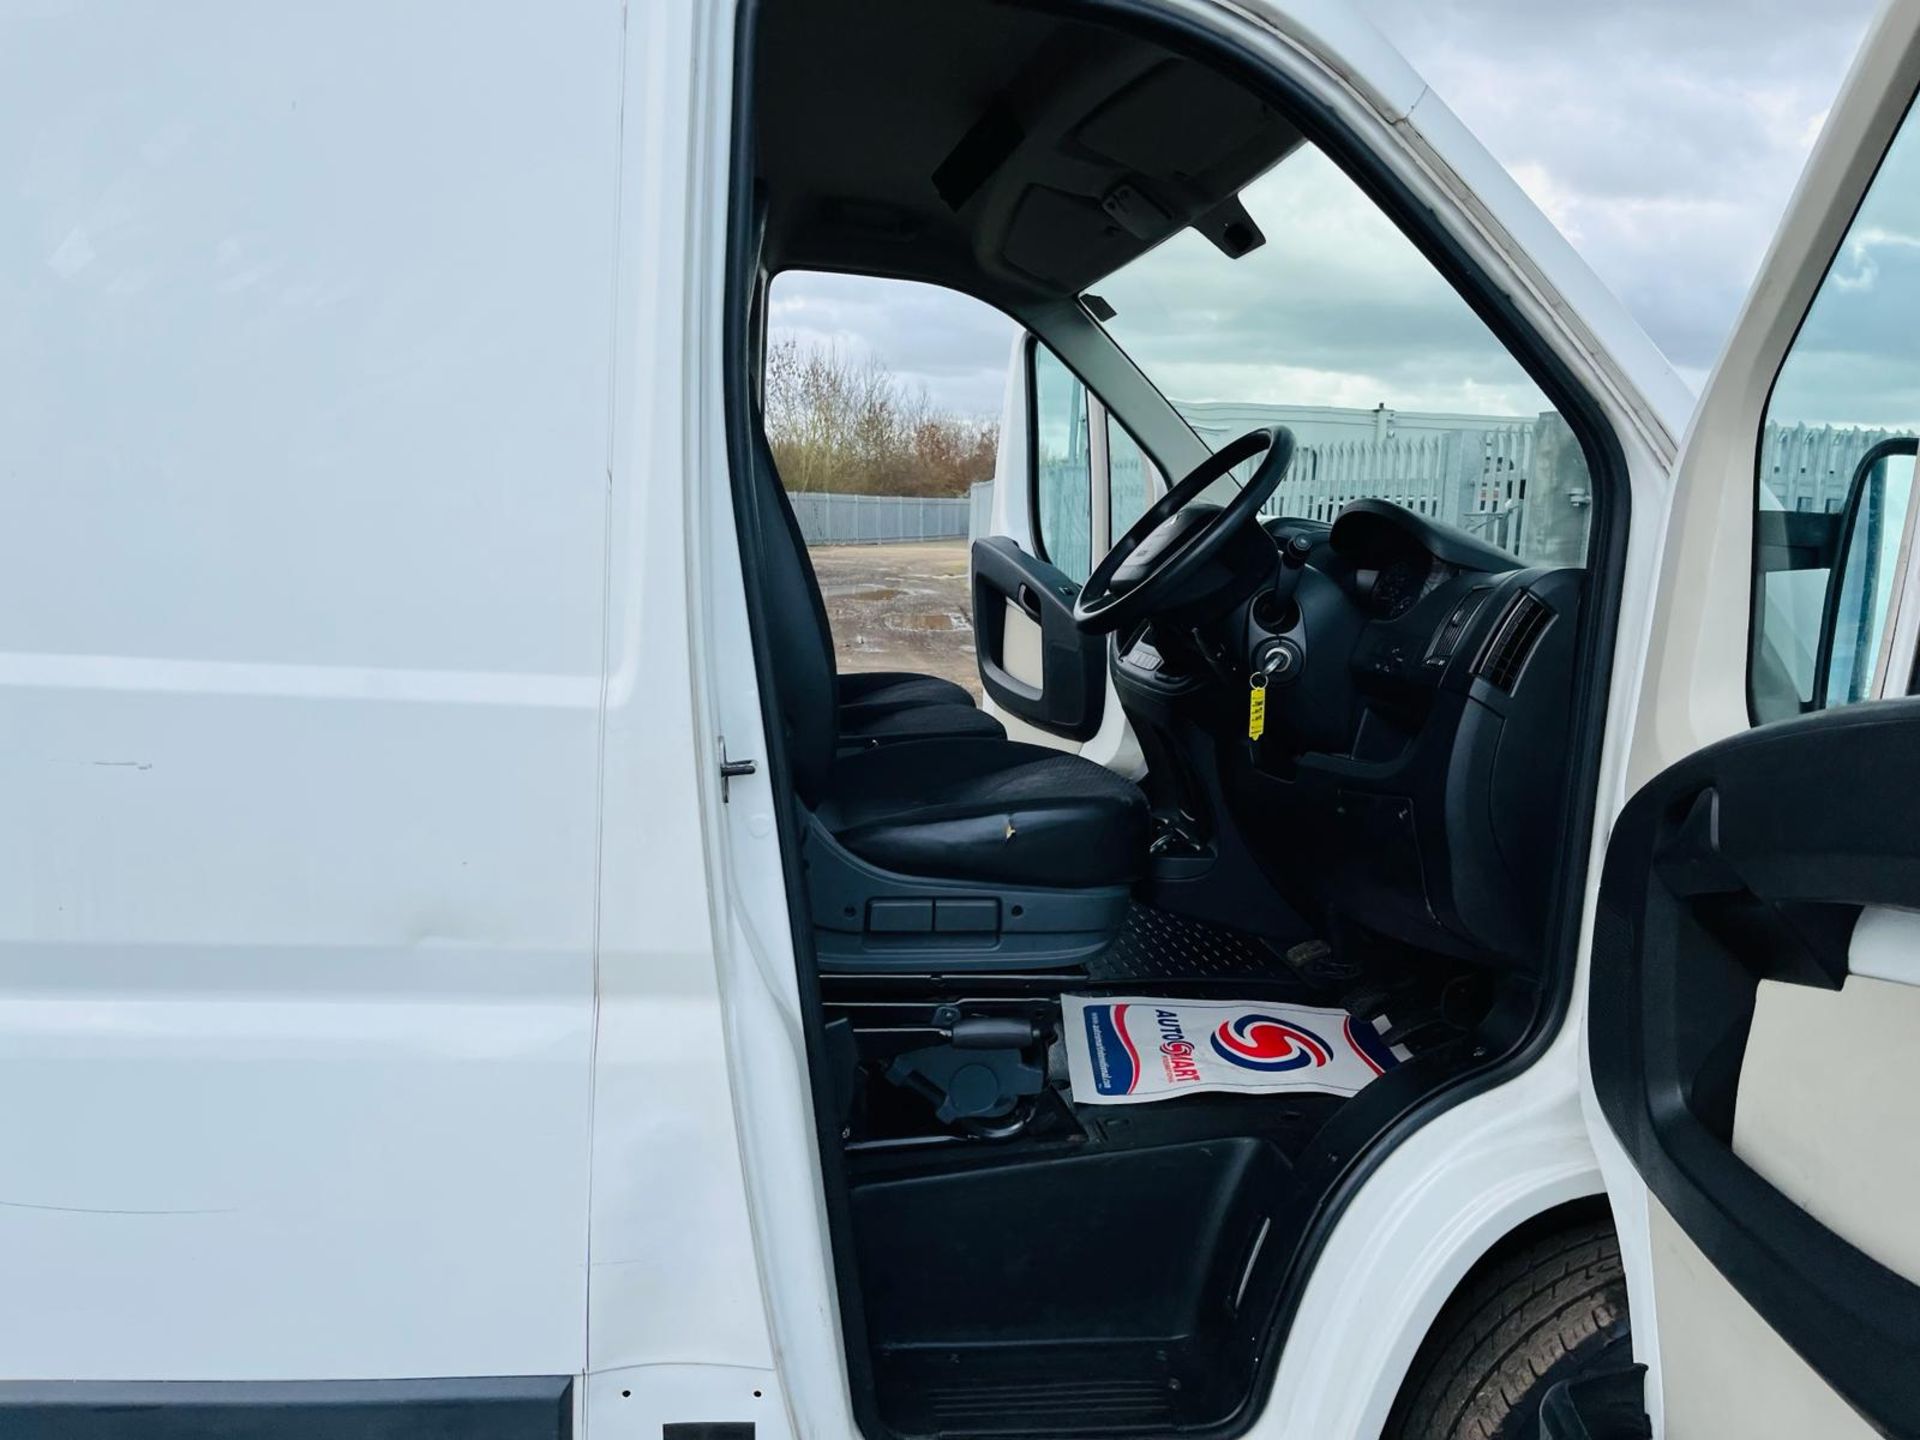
[(1116, 1064), (1265, 1042)]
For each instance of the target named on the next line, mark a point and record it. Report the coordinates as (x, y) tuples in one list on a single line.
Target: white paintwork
[(354, 936), (385, 989), (303, 424), (1692, 1330), (672, 1254), (1440, 1201), (639, 1401)]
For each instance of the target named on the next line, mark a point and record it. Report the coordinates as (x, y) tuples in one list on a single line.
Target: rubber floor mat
[(1159, 945)]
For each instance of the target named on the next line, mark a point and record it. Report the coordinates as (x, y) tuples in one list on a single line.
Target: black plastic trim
[(1843, 550), (1606, 1406), (1033, 451), (1365, 522), (537, 1407), (1072, 697), (1007, 927), (1750, 860), (1213, 42)]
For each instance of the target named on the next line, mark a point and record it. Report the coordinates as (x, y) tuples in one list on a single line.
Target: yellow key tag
[(1257, 708)]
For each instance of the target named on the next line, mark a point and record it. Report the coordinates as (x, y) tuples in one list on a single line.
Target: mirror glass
[(1870, 564)]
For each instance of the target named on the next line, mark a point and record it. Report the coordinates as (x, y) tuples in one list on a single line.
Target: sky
[(1336, 308), (1663, 137)]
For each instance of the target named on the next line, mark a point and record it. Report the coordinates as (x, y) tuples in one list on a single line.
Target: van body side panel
[(304, 376)]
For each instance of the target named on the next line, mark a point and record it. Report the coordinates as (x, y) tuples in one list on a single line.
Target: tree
[(853, 427)]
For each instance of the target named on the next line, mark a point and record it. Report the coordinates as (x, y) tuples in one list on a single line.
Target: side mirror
[(1869, 554)]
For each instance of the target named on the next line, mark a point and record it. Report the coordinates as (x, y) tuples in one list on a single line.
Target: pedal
[(1402, 1032), (1318, 963), (1366, 1002)]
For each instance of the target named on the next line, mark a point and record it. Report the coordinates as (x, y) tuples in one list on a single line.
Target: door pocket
[(1035, 663), (1021, 648)]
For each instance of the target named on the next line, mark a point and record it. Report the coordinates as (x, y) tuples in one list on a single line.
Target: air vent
[(1513, 642)]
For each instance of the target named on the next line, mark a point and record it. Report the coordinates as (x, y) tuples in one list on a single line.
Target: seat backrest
[(801, 639), (807, 698)]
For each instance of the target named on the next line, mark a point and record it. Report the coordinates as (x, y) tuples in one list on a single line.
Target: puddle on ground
[(928, 620)]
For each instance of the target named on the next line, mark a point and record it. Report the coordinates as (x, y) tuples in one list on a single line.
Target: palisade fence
[(1809, 467), (831, 519), (1516, 483), (1478, 473), (1482, 480), (1475, 479)]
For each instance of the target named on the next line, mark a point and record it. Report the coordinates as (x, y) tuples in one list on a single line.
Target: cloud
[(1337, 308), (952, 346), (1856, 360), (1857, 266), (1663, 139)]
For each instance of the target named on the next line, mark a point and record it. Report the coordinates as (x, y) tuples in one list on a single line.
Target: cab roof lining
[(1017, 156)]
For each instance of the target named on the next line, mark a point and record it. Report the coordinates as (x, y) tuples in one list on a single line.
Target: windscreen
[(1339, 328)]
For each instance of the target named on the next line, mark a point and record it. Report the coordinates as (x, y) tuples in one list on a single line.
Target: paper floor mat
[(1130, 1049)]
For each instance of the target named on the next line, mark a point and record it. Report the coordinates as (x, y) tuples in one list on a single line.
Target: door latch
[(731, 770)]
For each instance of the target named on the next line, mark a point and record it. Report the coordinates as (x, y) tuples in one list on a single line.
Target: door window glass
[(882, 411), (1835, 462), (1062, 466)]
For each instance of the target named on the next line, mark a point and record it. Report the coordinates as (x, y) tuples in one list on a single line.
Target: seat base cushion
[(988, 810), (861, 728)]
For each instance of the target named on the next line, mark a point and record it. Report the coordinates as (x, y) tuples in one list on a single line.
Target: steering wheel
[(1174, 541)]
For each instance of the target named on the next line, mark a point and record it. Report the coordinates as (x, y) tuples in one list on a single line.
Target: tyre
[(1552, 1308)]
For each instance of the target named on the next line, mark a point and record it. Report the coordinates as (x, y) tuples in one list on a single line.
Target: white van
[(471, 966)]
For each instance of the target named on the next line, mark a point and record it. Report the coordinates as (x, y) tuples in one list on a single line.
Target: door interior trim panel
[(1070, 699), (1751, 861)]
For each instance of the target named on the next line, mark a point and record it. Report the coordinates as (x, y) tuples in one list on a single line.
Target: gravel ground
[(900, 607)]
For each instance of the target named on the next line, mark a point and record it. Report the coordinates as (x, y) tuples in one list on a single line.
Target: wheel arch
[(1565, 1216)]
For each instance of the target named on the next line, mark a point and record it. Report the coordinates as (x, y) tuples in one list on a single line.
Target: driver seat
[(941, 853)]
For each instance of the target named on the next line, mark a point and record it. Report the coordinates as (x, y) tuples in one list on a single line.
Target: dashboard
[(1403, 582), (1419, 684)]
